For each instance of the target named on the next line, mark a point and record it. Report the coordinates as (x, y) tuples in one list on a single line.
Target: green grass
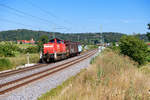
[(12, 62), (24, 46), (22, 59), (5, 64), (145, 69)]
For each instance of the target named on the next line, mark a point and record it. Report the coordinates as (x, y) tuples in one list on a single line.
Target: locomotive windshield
[(57, 40)]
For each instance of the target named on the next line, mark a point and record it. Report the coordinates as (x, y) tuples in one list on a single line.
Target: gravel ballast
[(33, 90), (20, 75)]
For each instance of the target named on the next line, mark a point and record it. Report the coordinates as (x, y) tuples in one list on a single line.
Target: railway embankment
[(110, 76)]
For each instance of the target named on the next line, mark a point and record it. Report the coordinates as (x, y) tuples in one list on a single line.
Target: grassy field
[(24, 46), (21, 59), (110, 77), (13, 55)]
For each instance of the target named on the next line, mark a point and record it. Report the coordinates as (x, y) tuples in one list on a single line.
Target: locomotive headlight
[(48, 46)]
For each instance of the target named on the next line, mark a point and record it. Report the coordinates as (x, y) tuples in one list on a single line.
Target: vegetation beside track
[(12, 62), (5, 64), (89, 47), (13, 55), (111, 76), (135, 48), (22, 59)]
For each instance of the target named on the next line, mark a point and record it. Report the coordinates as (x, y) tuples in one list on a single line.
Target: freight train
[(57, 49)]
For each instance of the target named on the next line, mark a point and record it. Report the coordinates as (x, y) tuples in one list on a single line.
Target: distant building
[(26, 41), (148, 44)]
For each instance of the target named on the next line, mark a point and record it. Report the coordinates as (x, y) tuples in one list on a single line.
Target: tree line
[(87, 38)]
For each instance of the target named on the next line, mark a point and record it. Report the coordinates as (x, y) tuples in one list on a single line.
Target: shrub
[(5, 64), (8, 49), (134, 48), (32, 49), (115, 49)]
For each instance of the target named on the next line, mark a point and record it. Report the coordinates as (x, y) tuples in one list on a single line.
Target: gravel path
[(33, 90)]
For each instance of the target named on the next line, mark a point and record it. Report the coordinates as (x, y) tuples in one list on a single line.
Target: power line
[(45, 11), (19, 15), (17, 23), (27, 14)]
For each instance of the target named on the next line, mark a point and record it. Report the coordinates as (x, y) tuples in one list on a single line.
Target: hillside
[(21, 34)]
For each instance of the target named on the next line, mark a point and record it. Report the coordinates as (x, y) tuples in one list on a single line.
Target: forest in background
[(87, 38)]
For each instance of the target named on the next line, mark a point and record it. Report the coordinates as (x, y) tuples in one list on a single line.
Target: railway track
[(21, 70), (12, 85), (9, 73)]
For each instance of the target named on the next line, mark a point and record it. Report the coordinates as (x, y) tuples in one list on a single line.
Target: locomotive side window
[(52, 41), (58, 41)]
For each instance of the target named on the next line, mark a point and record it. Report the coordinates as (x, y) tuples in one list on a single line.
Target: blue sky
[(126, 16)]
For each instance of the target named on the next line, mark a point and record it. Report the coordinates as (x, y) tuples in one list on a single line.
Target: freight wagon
[(57, 49)]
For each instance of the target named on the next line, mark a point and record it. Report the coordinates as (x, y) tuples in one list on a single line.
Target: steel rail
[(9, 73), (53, 70)]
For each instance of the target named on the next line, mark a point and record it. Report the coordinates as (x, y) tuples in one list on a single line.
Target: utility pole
[(101, 40), (101, 36), (78, 37), (28, 60), (53, 34), (53, 29)]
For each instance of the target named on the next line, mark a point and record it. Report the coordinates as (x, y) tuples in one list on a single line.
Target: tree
[(148, 34), (149, 26), (43, 39), (134, 48)]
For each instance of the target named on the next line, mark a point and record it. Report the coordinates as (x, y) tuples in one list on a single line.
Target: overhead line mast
[(101, 36)]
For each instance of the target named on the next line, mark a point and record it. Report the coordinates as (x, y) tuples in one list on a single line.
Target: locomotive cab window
[(62, 41), (52, 41), (58, 41)]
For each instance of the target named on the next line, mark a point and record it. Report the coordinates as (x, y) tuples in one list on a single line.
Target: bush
[(115, 49), (92, 46), (8, 50), (5, 64), (32, 49), (134, 48)]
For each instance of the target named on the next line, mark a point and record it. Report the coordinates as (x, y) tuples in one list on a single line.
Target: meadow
[(111, 76), (13, 55)]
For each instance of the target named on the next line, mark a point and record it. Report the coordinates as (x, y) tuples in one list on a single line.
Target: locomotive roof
[(66, 41)]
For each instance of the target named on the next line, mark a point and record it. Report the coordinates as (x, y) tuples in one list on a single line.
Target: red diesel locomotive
[(57, 49)]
